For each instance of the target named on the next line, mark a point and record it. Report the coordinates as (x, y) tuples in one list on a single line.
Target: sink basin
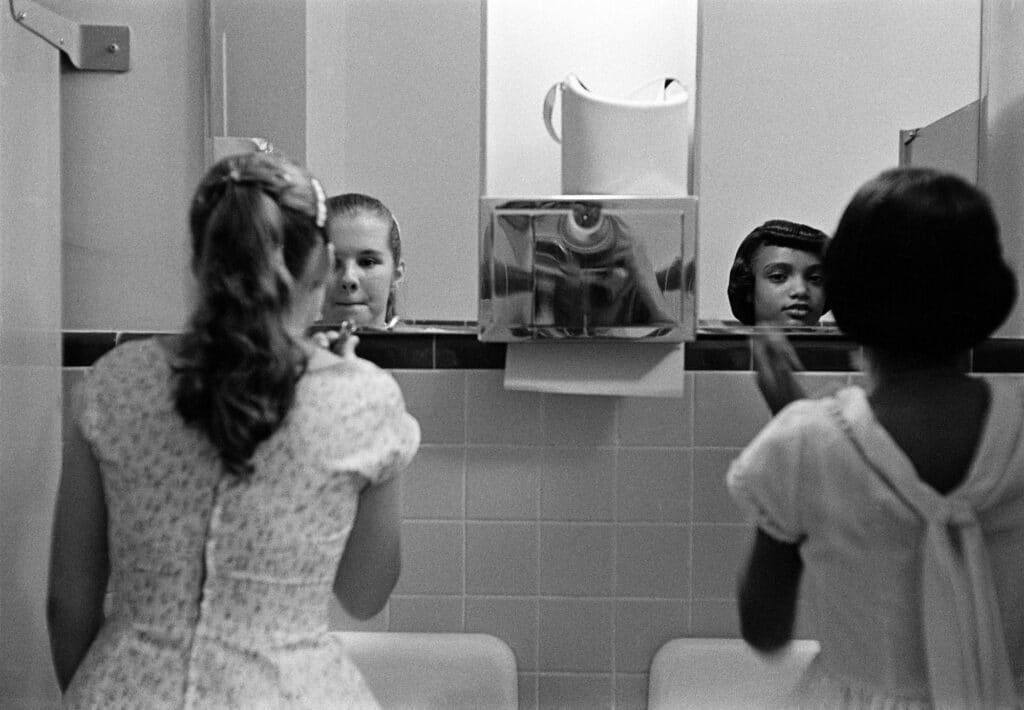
[(724, 674), (435, 671)]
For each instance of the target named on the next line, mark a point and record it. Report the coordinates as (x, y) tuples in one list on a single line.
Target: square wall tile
[(432, 560), (711, 500), (432, 485), (653, 485), (719, 352), (577, 484), (562, 691), (821, 355), (501, 558), (501, 482), (576, 559), (426, 614), (437, 399), (631, 691), (578, 420), (653, 561), (575, 635), (514, 621), (657, 421), (719, 554), (389, 352), (495, 415), (527, 691), (714, 619), (727, 409), (997, 355), (70, 379), (642, 627)]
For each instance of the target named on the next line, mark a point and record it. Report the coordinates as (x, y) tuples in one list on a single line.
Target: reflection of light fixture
[(587, 232)]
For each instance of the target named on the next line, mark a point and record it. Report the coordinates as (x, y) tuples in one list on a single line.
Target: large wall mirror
[(430, 105)]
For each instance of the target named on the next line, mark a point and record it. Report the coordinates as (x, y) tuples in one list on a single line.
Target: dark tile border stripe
[(455, 351), (81, 349)]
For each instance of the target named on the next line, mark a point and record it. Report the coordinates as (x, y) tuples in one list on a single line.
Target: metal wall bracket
[(89, 47)]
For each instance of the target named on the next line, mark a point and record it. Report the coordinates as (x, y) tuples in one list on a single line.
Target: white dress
[(919, 596), (219, 585)]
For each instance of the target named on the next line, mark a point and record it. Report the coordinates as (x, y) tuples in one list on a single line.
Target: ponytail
[(238, 367)]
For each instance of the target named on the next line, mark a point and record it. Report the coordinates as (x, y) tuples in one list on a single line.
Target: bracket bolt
[(112, 48), (21, 15)]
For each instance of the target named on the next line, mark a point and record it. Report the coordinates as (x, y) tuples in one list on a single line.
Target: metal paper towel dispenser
[(587, 267)]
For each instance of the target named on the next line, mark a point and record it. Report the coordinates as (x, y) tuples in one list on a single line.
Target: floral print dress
[(219, 586)]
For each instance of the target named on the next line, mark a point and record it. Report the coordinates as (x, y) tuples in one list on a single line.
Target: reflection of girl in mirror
[(368, 261), (777, 277), (227, 480), (905, 501)]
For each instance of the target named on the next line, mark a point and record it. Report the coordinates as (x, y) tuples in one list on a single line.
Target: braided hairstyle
[(255, 220)]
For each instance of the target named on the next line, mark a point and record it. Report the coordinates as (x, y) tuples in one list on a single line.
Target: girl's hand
[(342, 341), (346, 346), (775, 362)]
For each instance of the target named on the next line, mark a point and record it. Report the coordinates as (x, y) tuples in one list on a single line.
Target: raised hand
[(775, 362), (342, 341)]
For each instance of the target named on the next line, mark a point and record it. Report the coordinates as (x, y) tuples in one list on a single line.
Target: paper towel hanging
[(587, 268)]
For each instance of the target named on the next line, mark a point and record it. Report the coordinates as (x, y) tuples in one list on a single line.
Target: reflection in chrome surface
[(575, 267)]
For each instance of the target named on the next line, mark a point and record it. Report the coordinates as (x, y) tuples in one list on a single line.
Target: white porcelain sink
[(435, 671), (724, 674)]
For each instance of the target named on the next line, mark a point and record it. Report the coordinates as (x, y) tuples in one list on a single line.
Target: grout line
[(689, 537), (615, 563)]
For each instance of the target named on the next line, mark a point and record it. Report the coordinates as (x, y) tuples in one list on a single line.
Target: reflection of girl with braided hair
[(225, 481), (368, 261)]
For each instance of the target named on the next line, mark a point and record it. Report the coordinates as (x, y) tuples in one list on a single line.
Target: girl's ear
[(399, 272)]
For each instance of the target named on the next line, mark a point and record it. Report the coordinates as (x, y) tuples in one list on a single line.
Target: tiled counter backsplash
[(584, 531)]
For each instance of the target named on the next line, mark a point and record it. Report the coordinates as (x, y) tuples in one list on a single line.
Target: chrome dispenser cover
[(587, 267)]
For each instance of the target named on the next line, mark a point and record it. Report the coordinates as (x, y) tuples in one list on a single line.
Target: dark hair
[(255, 220), (351, 203), (916, 265), (775, 232)]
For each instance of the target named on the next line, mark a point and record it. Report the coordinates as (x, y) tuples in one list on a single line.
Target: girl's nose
[(798, 286), (347, 276)]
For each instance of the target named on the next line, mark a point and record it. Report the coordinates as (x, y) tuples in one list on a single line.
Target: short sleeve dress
[(219, 586), (919, 597)]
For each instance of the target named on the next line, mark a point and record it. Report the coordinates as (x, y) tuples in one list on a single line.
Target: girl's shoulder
[(352, 379), (819, 413), (138, 355)]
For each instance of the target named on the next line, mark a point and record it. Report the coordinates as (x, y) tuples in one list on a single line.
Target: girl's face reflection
[(365, 269), (789, 287)]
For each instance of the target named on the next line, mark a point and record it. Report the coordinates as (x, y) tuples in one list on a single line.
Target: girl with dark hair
[(225, 481), (902, 502), (368, 261), (777, 276)]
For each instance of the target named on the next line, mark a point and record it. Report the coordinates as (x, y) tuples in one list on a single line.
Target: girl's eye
[(777, 277), (368, 261)]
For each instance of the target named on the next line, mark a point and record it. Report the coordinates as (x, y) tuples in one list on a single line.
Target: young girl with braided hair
[(221, 483)]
